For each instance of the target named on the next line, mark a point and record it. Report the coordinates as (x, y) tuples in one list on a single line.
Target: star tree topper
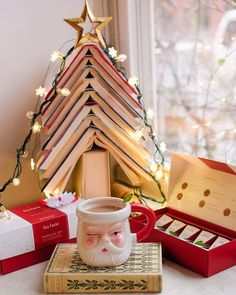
[(97, 23)]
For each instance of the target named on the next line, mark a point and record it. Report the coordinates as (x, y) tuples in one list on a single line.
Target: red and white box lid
[(36, 226)]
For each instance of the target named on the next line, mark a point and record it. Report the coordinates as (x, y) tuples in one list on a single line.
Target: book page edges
[(88, 182), (60, 283)]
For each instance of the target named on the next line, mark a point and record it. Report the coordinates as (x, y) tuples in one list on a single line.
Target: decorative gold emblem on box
[(227, 212), (179, 196), (202, 203), (207, 192), (184, 185)]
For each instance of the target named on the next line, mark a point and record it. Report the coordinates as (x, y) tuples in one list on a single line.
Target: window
[(185, 57)]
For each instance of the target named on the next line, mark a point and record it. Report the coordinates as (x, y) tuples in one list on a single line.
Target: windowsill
[(176, 280)]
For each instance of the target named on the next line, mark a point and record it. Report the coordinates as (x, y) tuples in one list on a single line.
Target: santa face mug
[(104, 236)]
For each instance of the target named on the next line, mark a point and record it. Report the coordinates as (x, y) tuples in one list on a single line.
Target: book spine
[(53, 283), (102, 283)]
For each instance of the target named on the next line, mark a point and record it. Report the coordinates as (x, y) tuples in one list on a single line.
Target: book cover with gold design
[(142, 272)]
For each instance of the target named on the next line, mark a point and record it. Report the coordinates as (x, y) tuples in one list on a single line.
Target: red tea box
[(201, 195)]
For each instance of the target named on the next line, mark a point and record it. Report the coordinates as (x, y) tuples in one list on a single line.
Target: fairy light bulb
[(56, 192), (153, 134), (30, 115), (133, 81), (56, 55), (41, 91), (159, 173), (36, 128), (32, 164), (162, 146), (16, 181), (112, 52), (25, 154), (153, 167), (4, 215), (138, 134), (121, 58), (64, 91), (47, 194), (150, 113)]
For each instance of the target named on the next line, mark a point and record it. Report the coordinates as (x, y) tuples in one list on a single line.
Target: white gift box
[(32, 232)]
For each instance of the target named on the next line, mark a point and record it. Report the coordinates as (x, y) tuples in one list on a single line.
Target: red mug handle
[(151, 219)]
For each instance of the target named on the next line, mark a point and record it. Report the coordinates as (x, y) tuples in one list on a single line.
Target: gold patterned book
[(67, 274)]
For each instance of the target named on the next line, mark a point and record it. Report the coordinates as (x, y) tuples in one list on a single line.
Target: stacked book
[(142, 272), (101, 115)]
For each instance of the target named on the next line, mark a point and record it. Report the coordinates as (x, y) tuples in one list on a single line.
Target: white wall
[(29, 31)]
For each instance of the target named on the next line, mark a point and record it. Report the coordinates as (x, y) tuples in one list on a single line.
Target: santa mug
[(104, 236)]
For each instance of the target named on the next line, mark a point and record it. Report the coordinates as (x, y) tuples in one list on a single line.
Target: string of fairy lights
[(156, 167), (35, 128)]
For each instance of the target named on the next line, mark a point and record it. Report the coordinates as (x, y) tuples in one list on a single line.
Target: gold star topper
[(93, 34)]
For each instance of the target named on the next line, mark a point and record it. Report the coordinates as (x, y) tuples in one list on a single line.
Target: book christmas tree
[(98, 110), (94, 129)]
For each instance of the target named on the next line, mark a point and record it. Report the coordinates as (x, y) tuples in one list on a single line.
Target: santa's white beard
[(113, 257)]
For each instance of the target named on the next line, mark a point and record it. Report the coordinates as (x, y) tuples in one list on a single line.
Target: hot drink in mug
[(104, 236)]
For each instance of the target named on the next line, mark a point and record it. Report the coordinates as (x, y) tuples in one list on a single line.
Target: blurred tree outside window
[(195, 71)]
